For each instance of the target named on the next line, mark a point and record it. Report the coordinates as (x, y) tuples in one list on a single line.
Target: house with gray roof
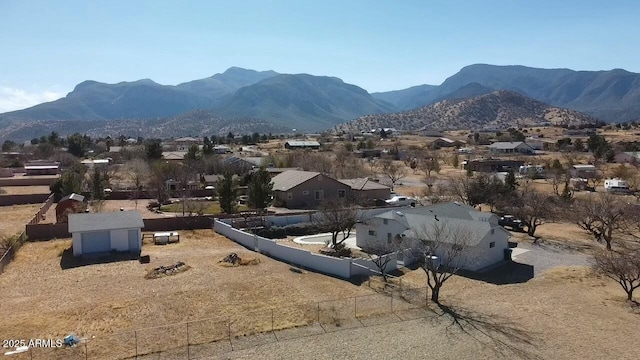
[(485, 243), (106, 232), (301, 144), (511, 147), (295, 189)]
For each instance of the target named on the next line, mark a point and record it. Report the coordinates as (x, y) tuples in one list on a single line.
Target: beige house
[(365, 191), (296, 189)]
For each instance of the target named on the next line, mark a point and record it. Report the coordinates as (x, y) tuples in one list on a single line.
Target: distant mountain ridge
[(501, 109), (613, 95), (314, 103)]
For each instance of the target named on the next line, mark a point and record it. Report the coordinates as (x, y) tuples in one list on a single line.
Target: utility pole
[(183, 197)]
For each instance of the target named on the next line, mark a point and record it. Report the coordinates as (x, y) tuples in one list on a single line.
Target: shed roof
[(105, 221), (292, 178), (584, 166), (73, 197), (174, 155)]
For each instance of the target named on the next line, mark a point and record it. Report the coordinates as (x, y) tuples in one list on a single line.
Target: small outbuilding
[(106, 232), (70, 204)]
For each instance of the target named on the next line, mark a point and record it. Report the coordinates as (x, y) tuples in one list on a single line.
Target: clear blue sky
[(48, 47)]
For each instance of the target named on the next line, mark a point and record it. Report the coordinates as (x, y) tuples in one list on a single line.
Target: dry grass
[(100, 299), (13, 218), (25, 190)]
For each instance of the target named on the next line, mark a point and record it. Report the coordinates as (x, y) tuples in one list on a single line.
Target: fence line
[(219, 335), (40, 215)]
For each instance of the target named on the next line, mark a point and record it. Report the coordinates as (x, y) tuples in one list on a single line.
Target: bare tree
[(622, 265), (430, 162), (441, 250), (533, 207), (458, 189), (394, 172), (601, 215), (138, 172), (378, 251), (337, 217)]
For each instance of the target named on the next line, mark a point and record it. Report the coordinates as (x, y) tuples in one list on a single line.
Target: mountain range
[(242, 100), (497, 109)]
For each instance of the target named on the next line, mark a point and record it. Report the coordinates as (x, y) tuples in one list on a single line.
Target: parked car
[(399, 200), (512, 222)]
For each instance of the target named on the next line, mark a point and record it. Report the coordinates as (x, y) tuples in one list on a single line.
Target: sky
[(47, 47)]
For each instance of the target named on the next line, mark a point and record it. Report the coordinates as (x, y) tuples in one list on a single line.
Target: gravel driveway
[(544, 257)]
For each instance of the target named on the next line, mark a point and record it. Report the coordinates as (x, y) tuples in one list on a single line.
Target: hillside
[(613, 96), (219, 85), (192, 123), (499, 108), (303, 102)]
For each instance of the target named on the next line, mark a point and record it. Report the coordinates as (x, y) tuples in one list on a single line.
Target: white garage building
[(106, 232)]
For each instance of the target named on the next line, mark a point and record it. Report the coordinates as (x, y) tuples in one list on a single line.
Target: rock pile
[(232, 258), (167, 270)]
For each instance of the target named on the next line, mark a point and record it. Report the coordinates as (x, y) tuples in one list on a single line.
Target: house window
[(289, 196), (305, 192), (385, 221), (388, 238), (492, 244), (372, 233), (319, 195), (342, 193)]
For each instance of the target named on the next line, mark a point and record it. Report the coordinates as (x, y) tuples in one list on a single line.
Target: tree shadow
[(509, 272), (68, 261), (502, 336)]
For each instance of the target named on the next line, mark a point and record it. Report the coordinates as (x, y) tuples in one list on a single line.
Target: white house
[(485, 247), (106, 232), (517, 147)]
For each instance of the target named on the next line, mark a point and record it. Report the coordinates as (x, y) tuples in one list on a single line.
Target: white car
[(400, 200)]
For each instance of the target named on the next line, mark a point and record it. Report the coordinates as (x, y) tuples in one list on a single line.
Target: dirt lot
[(13, 218), (93, 300), (23, 190)]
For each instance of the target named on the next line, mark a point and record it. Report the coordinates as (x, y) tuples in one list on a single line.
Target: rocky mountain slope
[(496, 109)]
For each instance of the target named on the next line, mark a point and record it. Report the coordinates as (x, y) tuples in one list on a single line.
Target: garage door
[(95, 242)]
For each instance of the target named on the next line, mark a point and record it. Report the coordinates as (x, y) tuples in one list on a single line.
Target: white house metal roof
[(507, 144), (105, 221), (302, 143)]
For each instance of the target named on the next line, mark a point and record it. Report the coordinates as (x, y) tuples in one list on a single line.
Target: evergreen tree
[(97, 185), (153, 149), (510, 182), (228, 194), (260, 189), (192, 153)]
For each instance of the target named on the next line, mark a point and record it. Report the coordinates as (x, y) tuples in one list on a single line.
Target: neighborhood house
[(517, 147), (42, 167), (299, 144), (486, 244), (106, 232)]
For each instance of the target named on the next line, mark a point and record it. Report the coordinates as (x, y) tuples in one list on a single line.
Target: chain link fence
[(392, 301)]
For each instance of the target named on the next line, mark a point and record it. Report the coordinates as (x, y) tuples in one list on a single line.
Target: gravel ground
[(544, 257)]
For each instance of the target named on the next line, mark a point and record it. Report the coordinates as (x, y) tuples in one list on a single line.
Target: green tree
[(260, 189), (98, 181), (77, 145), (54, 139), (192, 153), (510, 182), (578, 145), (70, 181), (207, 147), (8, 145), (455, 161), (228, 193), (153, 149)]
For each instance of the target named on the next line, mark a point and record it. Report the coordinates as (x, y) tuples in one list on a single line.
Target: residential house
[(184, 143), (222, 149), (106, 232), (296, 189), (444, 142), (365, 191), (511, 147), (42, 167), (485, 246), (427, 132), (301, 144), (70, 204), (629, 157), (493, 165), (242, 164), (583, 171), (174, 155), (95, 163)]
